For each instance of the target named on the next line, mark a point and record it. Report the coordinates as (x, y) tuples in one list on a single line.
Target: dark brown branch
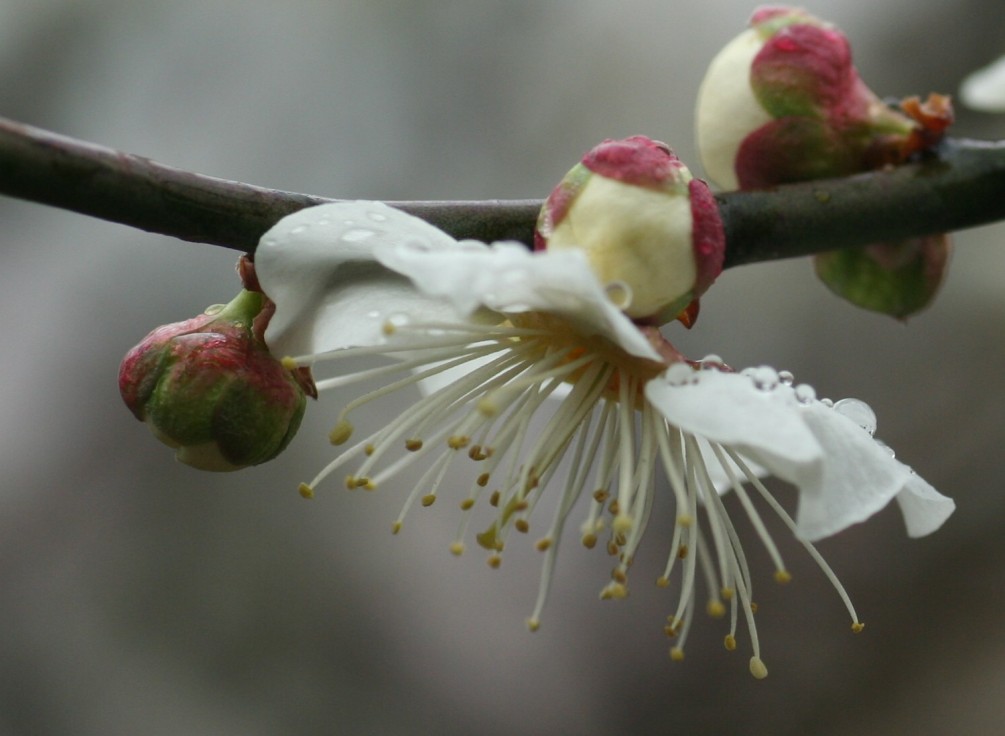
[(962, 186)]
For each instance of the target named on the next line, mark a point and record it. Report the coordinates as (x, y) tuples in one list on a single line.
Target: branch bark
[(961, 185)]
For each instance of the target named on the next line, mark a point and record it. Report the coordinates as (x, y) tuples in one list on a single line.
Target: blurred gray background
[(138, 596)]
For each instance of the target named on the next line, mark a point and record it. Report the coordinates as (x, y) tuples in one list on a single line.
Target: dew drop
[(786, 378), (859, 412), (764, 377), (268, 242), (619, 294), (298, 229), (213, 309), (887, 448), (805, 393), (357, 235), (827, 402), (377, 217), (678, 374)]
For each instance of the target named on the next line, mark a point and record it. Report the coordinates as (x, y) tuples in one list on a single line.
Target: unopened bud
[(783, 102), (209, 388), (651, 232)]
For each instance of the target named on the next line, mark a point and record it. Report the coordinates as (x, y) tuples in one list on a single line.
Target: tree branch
[(961, 185)]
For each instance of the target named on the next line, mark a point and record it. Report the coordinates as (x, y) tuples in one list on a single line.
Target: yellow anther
[(727, 594), (533, 624), (715, 608), (782, 576), (614, 591), (619, 575), (753, 607), (483, 480), (457, 441), (340, 433), (429, 499), (543, 544), (305, 490), (676, 654), (494, 499), (457, 548), (856, 628), (521, 506), (369, 450), (600, 495), (350, 482), (729, 642), (685, 520), (289, 364), (388, 328), (757, 668), (589, 540), (396, 527), (669, 631), (413, 445), (476, 453), (494, 561), (467, 503), (521, 525), (612, 549), (365, 482), (614, 507), (622, 525), (662, 581), (682, 551)]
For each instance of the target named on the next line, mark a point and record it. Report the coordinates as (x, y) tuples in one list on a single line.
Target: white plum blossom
[(535, 335)]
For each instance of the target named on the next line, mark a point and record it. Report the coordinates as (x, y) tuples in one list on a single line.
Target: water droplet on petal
[(377, 217), (764, 377), (357, 235), (859, 412), (786, 378), (711, 362), (887, 448), (298, 229), (269, 242), (827, 402), (805, 393), (679, 374), (619, 293)]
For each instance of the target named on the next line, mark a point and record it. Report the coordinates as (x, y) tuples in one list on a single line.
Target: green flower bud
[(209, 387), (898, 279), (651, 231)]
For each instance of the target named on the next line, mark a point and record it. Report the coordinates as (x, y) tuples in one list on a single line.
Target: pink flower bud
[(783, 103), (209, 387), (652, 233)]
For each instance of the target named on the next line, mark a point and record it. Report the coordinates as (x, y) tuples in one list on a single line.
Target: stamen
[(857, 625)]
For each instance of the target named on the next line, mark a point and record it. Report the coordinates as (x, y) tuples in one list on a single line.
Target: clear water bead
[(357, 235), (786, 377), (764, 377), (805, 393), (859, 412), (678, 374)]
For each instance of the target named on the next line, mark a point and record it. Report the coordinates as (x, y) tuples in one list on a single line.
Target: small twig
[(961, 185)]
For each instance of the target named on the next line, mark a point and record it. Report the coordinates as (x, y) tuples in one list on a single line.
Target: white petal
[(318, 266), (727, 408), (923, 507), (507, 278), (985, 89), (859, 478)]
